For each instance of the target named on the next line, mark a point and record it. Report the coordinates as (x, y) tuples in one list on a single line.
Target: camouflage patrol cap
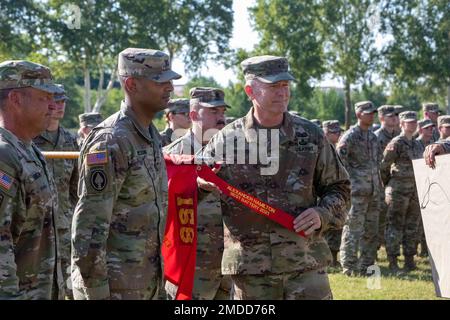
[(317, 122), (425, 123), (331, 126), (146, 63), (387, 110), (399, 108), (177, 106), (208, 97), (60, 95), (268, 69), (430, 107), (16, 74), (444, 121), (408, 116), (365, 107), (91, 119)]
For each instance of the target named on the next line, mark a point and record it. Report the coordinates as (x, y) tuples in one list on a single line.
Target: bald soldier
[(88, 121), (264, 259), (359, 150), (119, 221), (178, 120), (65, 173), (29, 265), (401, 195), (332, 131), (208, 114)]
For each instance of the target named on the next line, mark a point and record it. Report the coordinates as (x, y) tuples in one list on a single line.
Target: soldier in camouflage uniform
[(360, 152), (425, 132), (401, 194), (388, 116), (119, 220), (88, 121), (65, 173), (178, 121), (332, 131), (207, 113), (434, 149), (29, 261), (431, 111), (265, 260), (425, 138), (444, 127)]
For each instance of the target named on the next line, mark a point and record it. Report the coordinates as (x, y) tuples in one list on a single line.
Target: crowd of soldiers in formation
[(93, 228)]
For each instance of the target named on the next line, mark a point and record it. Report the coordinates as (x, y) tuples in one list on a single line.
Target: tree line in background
[(389, 51)]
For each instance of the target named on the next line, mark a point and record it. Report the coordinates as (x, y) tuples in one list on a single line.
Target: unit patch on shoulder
[(6, 181), (95, 158), (98, 179)]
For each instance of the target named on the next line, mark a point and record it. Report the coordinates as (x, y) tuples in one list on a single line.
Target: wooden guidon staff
[(61, 154)]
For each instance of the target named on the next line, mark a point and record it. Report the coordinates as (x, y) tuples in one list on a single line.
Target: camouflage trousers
[(133, 295), (64, 252), (207, 290), (151, 293), (421, 236), (360, 232), (382, 220), (403, 216), (214, 288), (333, 238), (311, 285)]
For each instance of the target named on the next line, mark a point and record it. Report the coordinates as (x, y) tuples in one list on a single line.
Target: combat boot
[(410, 265), (393, 264)]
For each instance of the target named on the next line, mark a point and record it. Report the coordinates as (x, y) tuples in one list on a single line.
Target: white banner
[(433, 188)]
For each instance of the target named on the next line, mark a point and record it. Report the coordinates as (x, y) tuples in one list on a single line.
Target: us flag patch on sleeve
[(6, 181), (94, 158)]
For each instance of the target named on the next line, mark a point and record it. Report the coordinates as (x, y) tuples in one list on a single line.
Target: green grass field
[(416, 285)]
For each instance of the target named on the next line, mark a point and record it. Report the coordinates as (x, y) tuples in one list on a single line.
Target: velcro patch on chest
[(95, 158), (6, 181)]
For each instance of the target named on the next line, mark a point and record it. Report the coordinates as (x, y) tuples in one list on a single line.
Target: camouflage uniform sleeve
[(342, 149), (389, 156), (73, 184), (446, 146), (103, 166), (12, 209), (332, 185)]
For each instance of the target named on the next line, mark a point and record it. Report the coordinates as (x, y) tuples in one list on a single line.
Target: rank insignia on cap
[(6, 181), (96, 158)]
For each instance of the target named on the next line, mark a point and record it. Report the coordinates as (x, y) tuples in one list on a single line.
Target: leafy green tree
[(199, 81), (419, 53), (289, 28), (349, 39)]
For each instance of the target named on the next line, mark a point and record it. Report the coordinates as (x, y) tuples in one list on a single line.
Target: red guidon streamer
[(180, 238), (279, 216)]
